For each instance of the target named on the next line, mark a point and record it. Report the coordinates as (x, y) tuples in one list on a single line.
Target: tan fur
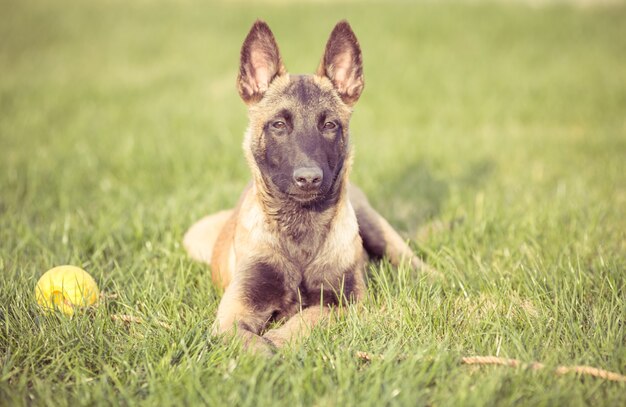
[(253, 237), (298, 326), (201, 237), (275, 258)]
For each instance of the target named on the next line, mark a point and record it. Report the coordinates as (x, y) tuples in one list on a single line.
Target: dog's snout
[(308, 177)]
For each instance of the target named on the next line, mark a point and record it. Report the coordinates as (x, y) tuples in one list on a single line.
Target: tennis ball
[(66, 288)]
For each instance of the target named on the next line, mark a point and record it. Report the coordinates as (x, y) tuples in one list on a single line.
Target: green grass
[(120, 125)]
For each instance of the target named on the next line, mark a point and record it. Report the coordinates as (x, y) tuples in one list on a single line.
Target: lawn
[(493, 135)]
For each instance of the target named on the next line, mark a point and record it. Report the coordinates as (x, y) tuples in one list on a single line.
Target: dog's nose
[(308, 177)]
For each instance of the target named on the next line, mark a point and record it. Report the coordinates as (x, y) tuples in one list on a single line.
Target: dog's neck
[(301, 230), (305, 223)]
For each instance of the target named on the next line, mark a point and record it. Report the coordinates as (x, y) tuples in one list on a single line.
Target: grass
[(120, 125)]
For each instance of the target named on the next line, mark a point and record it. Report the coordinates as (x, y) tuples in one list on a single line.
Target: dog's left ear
[(342, 63), (260, 63)]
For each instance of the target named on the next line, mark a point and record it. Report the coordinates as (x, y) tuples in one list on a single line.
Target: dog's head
[(297, 141)]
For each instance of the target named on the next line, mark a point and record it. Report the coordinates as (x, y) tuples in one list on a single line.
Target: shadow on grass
[(415, 194)]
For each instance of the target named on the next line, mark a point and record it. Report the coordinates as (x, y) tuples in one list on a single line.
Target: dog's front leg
[(298, 326), (234, 317)]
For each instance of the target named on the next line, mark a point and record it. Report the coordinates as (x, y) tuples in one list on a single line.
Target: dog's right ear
[(260, 63)]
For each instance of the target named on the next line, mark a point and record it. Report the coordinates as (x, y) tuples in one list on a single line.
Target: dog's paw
[(261, 346), (275, 338)]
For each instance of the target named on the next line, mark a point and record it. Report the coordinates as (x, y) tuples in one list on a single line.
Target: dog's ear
[(260, 63), (342, 63)]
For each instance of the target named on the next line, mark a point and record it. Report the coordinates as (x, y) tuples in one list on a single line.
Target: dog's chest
[(281, 288), (322, 283), (322, 254), (328, 275), (313, 261)]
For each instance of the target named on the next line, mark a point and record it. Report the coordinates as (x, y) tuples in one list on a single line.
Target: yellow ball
[(66, 288)]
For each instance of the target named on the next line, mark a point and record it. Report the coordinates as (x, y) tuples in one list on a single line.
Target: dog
[(296, 245)]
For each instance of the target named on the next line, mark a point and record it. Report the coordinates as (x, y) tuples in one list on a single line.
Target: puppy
[(296, 244)]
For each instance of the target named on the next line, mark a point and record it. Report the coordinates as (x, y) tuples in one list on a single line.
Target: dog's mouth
[(282, 187), (305, 198)]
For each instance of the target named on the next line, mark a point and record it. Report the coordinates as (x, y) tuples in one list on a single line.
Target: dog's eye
[(279, 125), (329, 126)]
